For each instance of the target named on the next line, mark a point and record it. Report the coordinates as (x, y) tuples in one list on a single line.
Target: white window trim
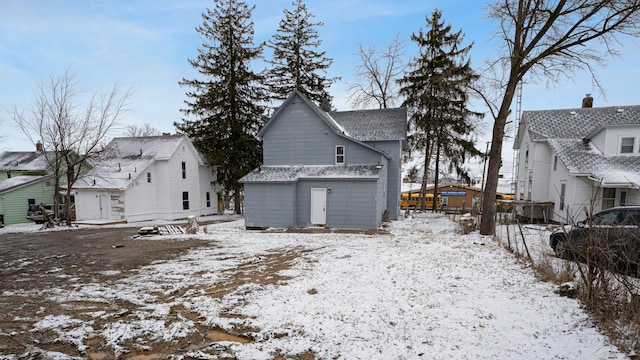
[(633, 149), (344, 154)]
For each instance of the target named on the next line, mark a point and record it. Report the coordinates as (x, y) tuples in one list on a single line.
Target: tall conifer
[(226, 105), (436, 92), (296, 62)]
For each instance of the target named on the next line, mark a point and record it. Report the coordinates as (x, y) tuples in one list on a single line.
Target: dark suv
[(610, 237)]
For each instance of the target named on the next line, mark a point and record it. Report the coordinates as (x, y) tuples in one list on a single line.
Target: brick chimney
[(587, 102), (39, 146)]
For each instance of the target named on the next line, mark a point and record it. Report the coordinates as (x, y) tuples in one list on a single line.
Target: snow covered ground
[(424, 291)]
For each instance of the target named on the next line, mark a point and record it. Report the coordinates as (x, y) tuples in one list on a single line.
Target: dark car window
[(607, 218), (632, 217)]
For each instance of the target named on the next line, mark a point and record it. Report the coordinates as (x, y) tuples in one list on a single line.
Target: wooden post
[(192, 225)]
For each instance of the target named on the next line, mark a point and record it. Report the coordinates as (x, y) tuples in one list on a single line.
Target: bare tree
[(376, 75), (2, 136), (133, 130), (70, 135), (548, 39)]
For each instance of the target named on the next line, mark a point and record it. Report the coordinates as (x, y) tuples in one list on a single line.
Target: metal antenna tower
[(514, 170)]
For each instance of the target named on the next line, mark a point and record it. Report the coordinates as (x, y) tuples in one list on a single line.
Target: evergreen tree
[(436, 92), (226, 108), (296, 62)]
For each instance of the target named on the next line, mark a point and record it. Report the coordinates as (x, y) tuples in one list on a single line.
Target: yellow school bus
[(504, 202), (414, 200)]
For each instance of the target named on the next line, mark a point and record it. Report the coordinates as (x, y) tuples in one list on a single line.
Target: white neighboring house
[(147, 178), (577, 158)]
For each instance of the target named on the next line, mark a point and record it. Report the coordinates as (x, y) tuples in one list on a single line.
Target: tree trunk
[(237, 202), (487, 222), (425, 175), (436, 175), (67, 196)]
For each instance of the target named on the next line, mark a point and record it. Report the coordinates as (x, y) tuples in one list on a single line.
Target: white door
[(103, 207), (318, 206)]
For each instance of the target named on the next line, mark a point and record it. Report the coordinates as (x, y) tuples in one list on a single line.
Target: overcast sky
[(145, 44)]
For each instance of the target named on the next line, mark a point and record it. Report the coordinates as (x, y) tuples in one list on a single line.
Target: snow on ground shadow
[(424, 291)]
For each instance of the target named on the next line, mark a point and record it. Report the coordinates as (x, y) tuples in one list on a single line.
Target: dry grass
[(611, 299)]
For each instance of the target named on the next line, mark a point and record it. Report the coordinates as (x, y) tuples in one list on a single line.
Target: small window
[(184, 170), (185, 200), (208, 199), (339, 154), (530, 186), (555, 164), (608, 197), (149, 177), (563, 191), (623, 197), (8, 174), (626, 145), (526, 158)]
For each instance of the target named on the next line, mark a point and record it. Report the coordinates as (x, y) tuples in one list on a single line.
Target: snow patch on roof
[(580, 158), (294, 173), (124, 159), (18, 181), (23, 161)]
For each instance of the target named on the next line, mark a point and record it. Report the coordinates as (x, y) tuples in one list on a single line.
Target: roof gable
[(124, 159), (296, 96), (360, 125)]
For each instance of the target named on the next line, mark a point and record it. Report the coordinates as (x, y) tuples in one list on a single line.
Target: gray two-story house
[(338, 170)]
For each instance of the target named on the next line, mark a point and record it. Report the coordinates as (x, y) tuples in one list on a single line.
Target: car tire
[(561, 250)]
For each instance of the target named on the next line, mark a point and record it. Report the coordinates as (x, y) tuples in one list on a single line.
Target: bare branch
[(70, 135), (548, 39), (375, 75), (133, 130)]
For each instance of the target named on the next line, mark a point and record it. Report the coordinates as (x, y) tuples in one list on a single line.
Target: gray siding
[(351, 204), (269, 205), (394, 176), (381, 194), (299, 137)]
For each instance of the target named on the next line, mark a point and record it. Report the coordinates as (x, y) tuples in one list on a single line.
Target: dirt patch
[(33, 264)]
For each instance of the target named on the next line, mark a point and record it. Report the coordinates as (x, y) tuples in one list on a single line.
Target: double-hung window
[(627, 144), (185, 200), (340, 154)]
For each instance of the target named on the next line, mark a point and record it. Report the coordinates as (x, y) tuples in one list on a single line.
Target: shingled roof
[(285, 173), (360, 125), (125, 158), (372, 125), (20, 181), (23, 161), (574, 123), (567, 132)]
